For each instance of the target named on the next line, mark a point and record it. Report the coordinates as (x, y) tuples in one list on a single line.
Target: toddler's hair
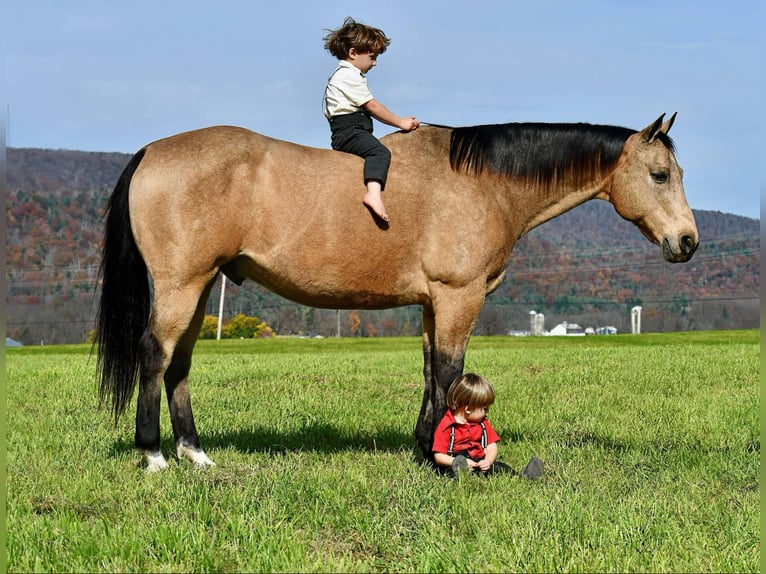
[(364, 39), (470, 390)]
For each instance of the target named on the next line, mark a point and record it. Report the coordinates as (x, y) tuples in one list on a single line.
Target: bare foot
[(374, 202)]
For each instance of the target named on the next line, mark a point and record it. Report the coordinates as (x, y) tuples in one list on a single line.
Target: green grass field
[(651, 446)]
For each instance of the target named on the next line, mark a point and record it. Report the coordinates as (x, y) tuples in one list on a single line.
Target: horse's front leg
[(446, 330), (425, 426)]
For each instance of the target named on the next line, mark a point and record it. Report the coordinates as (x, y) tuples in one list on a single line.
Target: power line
[(525, 304)]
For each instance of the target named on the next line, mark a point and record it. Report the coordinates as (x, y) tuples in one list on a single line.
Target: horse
[(228, 200)]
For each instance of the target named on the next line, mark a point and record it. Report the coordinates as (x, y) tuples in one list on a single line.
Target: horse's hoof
[(194, 455), (155, 462)]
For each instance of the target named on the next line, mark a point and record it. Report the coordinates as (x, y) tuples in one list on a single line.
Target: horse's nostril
[(687, 243)]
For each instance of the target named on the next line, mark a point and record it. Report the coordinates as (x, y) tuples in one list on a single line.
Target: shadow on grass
[(312, 437)]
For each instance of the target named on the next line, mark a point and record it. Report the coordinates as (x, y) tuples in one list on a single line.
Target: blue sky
[(103, 75)]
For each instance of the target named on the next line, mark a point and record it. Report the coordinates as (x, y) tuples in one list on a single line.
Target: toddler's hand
[(484, 465)]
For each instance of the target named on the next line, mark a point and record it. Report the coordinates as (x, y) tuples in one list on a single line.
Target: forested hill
[(587, 265), (62, 171)]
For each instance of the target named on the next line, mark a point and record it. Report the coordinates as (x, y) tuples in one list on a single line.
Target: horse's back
[(286, 215), (222, 154)]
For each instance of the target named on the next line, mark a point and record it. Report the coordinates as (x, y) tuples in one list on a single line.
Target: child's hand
[(484, 465), (409, 124)]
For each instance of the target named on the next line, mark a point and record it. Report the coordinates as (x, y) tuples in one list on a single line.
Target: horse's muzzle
[(681, 251)]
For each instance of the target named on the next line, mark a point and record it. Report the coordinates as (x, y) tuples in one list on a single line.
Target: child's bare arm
[(383, 114), (443, 459)]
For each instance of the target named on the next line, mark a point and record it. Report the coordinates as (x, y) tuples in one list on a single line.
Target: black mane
[(539, 152)]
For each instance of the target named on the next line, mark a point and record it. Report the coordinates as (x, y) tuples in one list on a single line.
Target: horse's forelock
[(539, 152), (667, 141)]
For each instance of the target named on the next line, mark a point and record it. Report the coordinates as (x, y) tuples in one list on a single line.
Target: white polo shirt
[(346, 91)]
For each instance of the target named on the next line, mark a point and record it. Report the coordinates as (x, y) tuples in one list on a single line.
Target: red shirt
[(467, 436)]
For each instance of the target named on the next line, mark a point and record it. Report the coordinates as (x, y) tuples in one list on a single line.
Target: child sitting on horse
[(350, 106), (464, 438)]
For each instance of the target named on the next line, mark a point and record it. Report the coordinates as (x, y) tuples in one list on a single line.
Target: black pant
[(352, 133)]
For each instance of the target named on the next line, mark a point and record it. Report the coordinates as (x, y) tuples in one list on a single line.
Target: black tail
[(123, 312)]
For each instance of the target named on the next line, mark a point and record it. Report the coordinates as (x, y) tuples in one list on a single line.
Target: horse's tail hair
[(123, 312)]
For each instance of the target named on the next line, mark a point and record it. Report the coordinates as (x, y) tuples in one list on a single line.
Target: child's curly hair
[(470, 390), (364, 39)]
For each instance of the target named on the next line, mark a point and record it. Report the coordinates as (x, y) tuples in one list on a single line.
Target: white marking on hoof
[(195, 455), (155, 462)]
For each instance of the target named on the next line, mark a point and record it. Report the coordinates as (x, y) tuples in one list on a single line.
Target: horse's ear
[(650, 132), (668, 124)]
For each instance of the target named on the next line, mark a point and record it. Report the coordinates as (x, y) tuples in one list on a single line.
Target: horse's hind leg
[(148, 406), (166, 355), (177, 389)]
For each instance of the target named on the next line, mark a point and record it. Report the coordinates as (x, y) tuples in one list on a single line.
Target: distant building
[(536, 323), (537, 327), (635, 320), (571, 329), (606, 331)]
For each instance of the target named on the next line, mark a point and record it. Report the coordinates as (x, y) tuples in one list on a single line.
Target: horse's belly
[(331, 287)]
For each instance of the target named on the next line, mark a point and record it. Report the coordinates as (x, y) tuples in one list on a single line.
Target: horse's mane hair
[(540, 153)]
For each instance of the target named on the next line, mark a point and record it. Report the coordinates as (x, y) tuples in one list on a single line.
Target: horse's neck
[(553, 205), (527, 202)]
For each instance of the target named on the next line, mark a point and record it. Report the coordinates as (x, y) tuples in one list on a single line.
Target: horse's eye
[(660, 176)]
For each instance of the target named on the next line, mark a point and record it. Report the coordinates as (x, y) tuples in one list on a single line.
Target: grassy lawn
[(651, 446)]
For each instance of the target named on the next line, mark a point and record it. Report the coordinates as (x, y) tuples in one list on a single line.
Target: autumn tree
[(238, 327), (354, 322)]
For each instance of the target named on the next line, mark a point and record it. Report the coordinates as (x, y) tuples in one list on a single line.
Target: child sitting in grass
[(464, 438)]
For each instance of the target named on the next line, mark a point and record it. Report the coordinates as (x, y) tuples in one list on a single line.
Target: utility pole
[(220, 306)]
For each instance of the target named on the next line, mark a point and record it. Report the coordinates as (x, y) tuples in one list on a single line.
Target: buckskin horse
[(290, 217)]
